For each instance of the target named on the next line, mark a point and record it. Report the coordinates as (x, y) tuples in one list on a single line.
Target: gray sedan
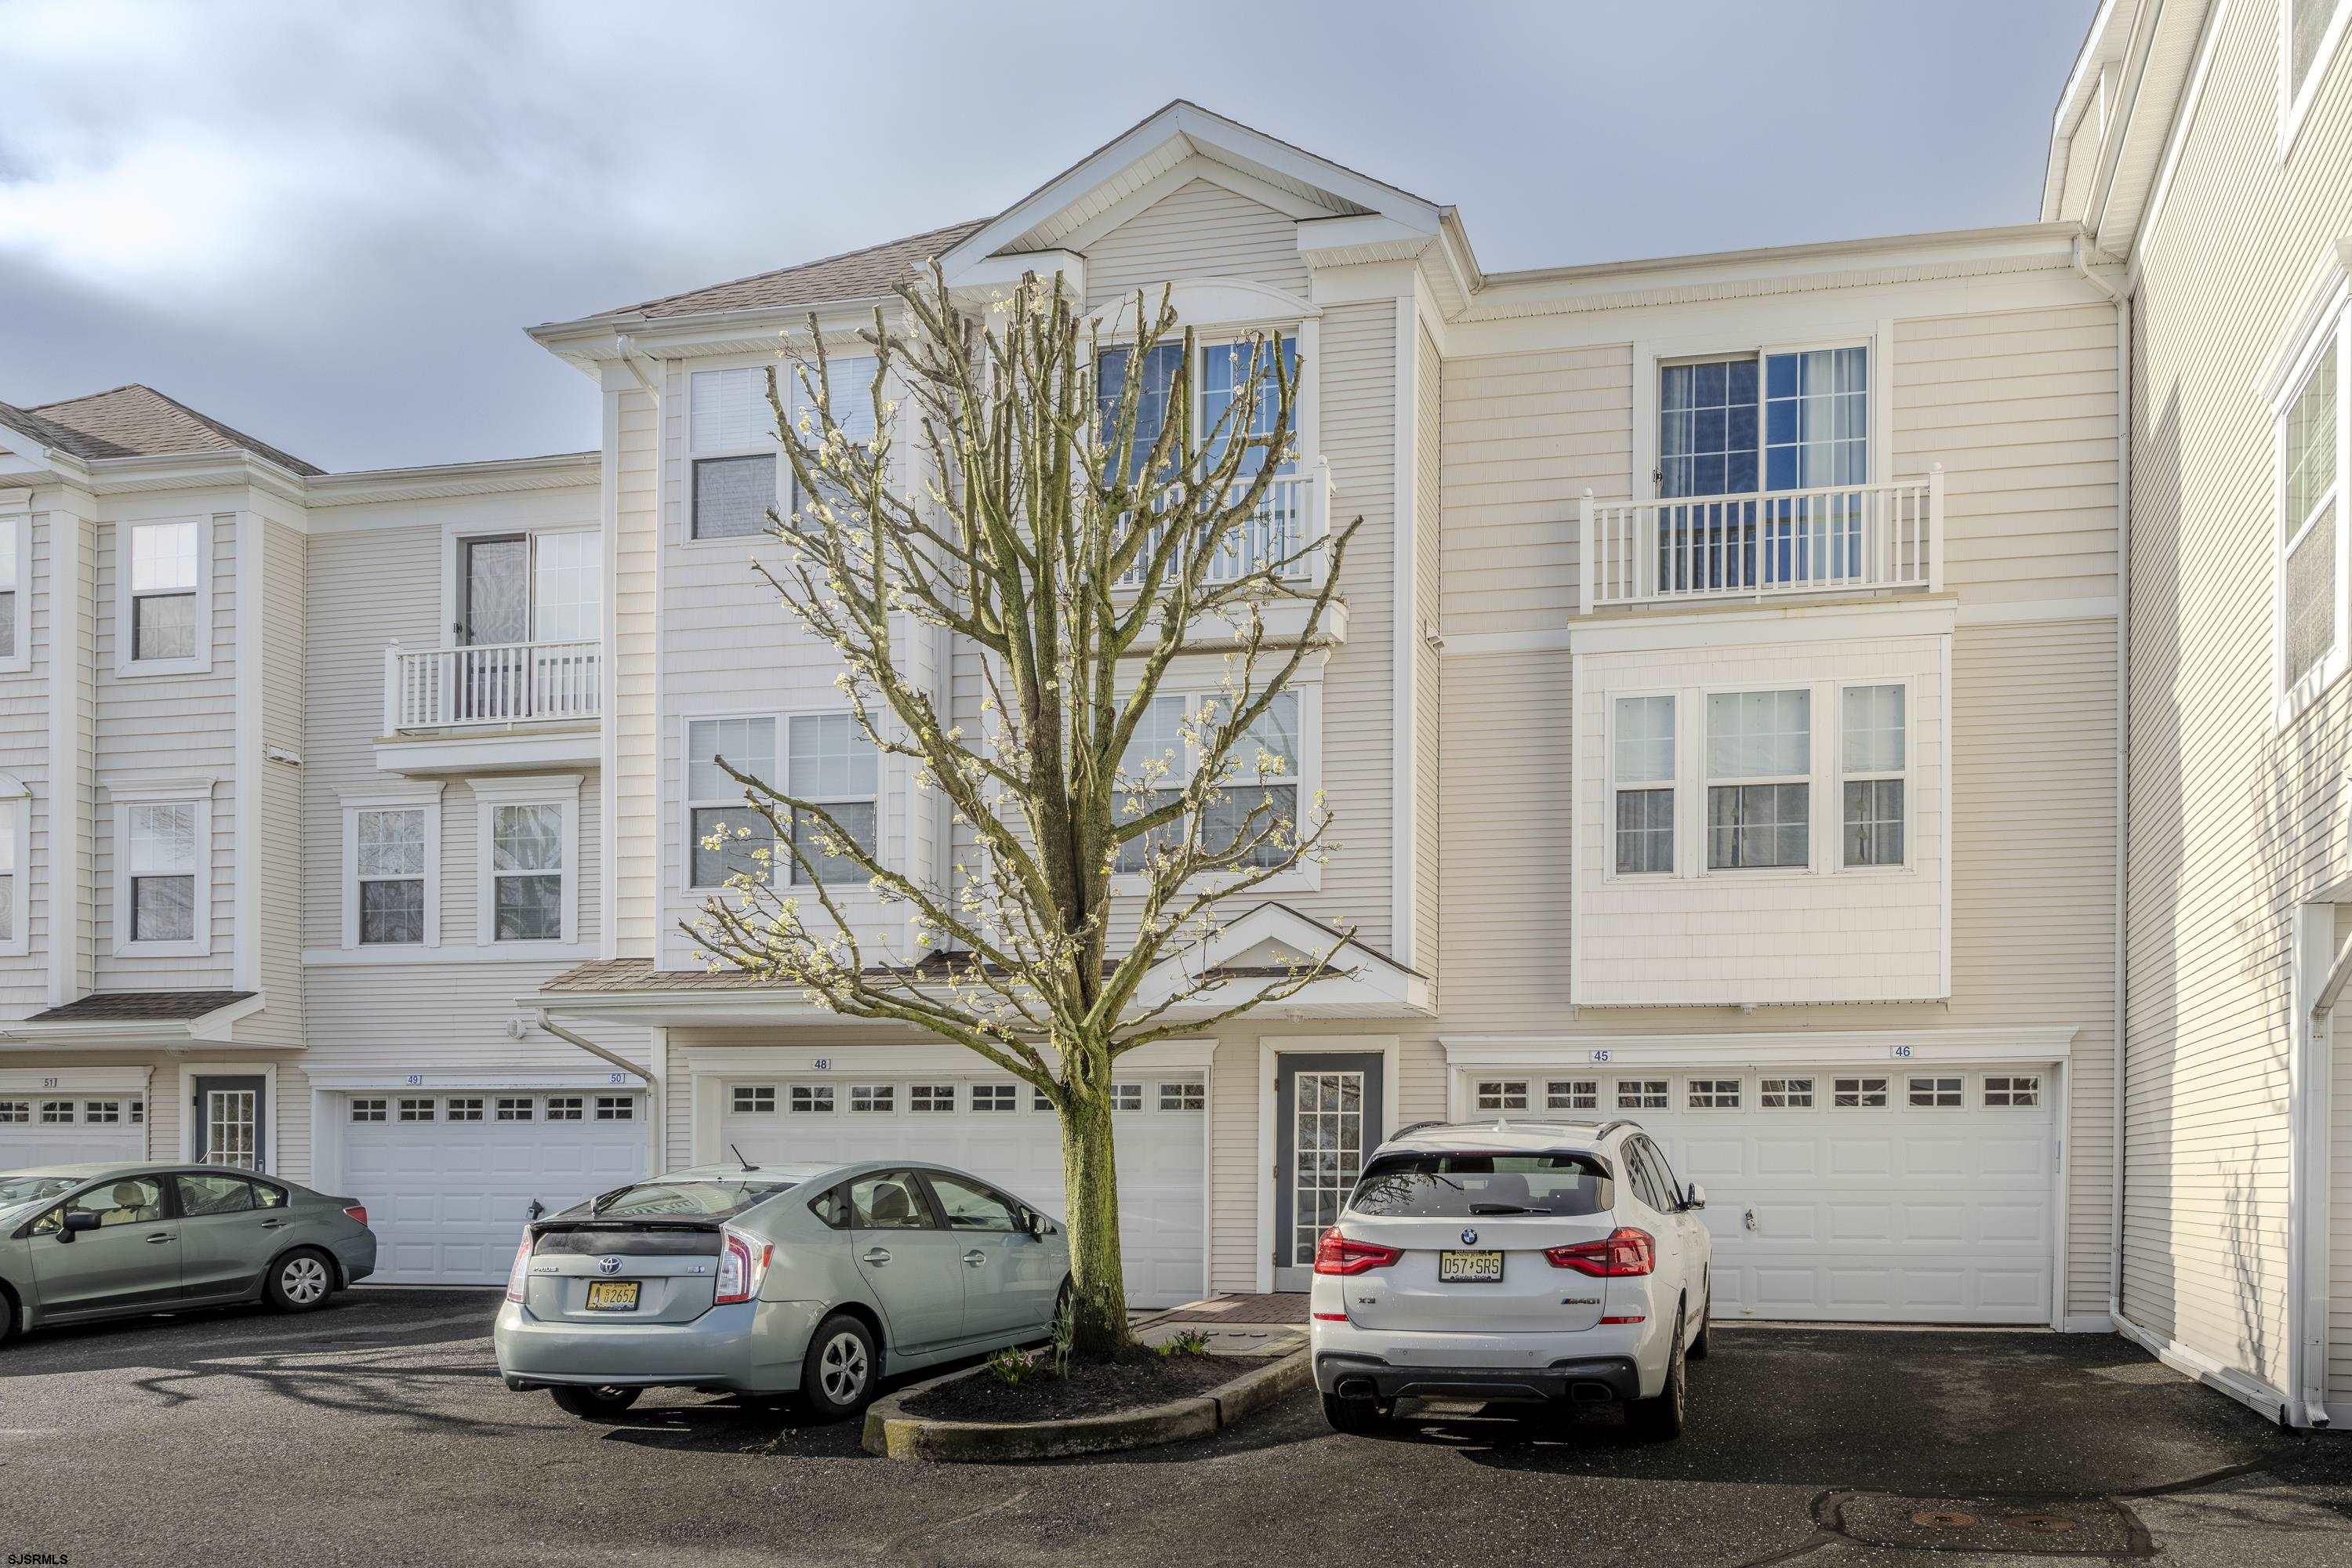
[(82, 1242), (775, 1279)]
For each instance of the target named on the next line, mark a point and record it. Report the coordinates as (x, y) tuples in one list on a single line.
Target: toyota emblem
[(1469, 1237), (608, 1265)]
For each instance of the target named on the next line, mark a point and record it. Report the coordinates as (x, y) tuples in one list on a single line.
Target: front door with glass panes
[(1327, 1117), (227, 1127), (1748, 445)]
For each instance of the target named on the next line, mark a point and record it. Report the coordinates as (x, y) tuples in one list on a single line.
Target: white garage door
[(1913, 1196), (59, 1128), (1004, 1131), (450, 1179)]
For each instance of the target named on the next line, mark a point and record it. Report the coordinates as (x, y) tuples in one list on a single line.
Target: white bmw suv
[(1513, 1260)]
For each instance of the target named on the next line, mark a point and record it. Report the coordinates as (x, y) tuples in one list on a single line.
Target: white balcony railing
[(1295, 510), (491, 683), (1773, 544)]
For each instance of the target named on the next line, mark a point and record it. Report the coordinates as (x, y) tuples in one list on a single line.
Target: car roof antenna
[(738, 1158)]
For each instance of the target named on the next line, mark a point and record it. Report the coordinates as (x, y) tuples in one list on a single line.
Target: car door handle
[(161, 1235), (876, 1255), (975, 1257), (271, 1223)]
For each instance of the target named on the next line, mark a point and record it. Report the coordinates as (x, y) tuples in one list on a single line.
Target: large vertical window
[(1277, 530), (389, 855), (1759, 769), (567, 599), (12, 812), (830, 762), (12, 571), (165, 558), (1873, 765), (163, 849), (1642, 766), (526, 868), (1258, 800), (2311, 630), (725, 837), (738, 470)]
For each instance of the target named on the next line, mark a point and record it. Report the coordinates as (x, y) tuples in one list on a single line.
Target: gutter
[(2121, 300)]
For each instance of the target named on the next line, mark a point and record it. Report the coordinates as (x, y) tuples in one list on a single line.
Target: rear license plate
[(613, 1295), (1469, 1268)]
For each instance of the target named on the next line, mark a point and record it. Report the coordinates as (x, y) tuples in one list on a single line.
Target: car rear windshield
[(1459, 1185), (632, 1241), (696, 1197)]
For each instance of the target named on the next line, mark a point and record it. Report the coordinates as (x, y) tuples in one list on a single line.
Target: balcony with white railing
[(1770, 544), (1294, 512), (490, 705)]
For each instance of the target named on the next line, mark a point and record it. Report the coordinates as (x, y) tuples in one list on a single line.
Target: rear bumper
[(754, 1347), (355, 1255), (1589, 1378)]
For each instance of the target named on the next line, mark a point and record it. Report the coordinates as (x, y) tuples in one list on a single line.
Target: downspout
[(2122, 303), (592, 1048)]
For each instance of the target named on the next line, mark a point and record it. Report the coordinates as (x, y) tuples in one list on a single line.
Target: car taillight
[(1337, 1254), (742, 1265), (1625, 1251), (519, 1272), (358, 1212)]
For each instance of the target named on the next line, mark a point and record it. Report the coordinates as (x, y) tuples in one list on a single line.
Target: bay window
[(1642, 764), (1759, 773)]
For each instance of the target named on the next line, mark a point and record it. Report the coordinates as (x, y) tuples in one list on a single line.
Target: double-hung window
[(1873, 756), (2311, 572), (1764, 452), (163, 841), (528, 843), (738, 472), (165, 560), (14, 535), (831, 762), (726, 837), (389, 850), (1759, 776), (1642, 765), (16, 845), (1255, 806)]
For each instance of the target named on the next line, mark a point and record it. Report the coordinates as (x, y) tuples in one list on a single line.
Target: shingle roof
[(137, 421), (138, 1006), (852, 275)]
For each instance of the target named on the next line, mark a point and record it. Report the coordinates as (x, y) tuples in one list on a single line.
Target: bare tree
[(1048, 490)]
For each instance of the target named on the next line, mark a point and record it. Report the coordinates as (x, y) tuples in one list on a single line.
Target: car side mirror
[(75, 1222), (1035, 1223), (1697, 1196)]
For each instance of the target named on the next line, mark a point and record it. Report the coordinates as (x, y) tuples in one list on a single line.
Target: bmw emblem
[(608, 1265), (1469, 1238)]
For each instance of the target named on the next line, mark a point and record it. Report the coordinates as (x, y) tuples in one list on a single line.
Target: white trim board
[(2043, 1043), (848, 1059)]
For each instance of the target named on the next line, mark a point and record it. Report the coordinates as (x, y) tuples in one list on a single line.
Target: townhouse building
[(1723, 729)]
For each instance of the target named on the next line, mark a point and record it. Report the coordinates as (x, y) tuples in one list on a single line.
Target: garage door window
[(56, 1112), (1785, 1094), (1127, 1097), (811, 1099), (1858, 1093), (616, 1108), (466, 1108), (1183, 1097), (565, 1107), (2013, 1091), (14, 1111), (1502, 1094), (873, 1099), (516, 1108), (931, 1099), (1715, 1094), (1641, 1094), (995, 1097), (753, 1100), (368, 1110), (1572, 1094), (417, 1111), (1936, 1093)]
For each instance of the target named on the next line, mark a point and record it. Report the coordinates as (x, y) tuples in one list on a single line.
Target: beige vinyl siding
[(2231, 824), (162, 726), (636, 719), (80, 855), (2021, 409), (1199, 230), (1428, 565), (285, 599), (1524, 434), (25, 754)]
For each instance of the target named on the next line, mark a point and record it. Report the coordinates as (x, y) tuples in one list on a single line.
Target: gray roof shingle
[(138, 1006), (852, 275), (137, 421)]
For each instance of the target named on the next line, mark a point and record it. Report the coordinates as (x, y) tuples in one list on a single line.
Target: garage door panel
[(1934, 1223), (1787, 1156), (1936, 1157)]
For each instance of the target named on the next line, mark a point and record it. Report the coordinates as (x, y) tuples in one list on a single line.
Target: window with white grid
[(1874, 748), (413, 1109), (931, 1099), (1572, 1094), (753, 1099), (162, 847), (56, 1112), (831, 762), (102, 1112), (1785, 1094), (369, 1109), (1641, 769), (2012, 1090), (995, 1097), (726, 837), (1258, 803), (617, 1108), (15, 1112), (1184, 1096), (1714, 1094), (1502, 1094), (1857, 1093), (465, 1107), (872, 1098), (389, 865), (1641, 1094), (1935, 1094), (1127, 1097), (813, 1100), (1759, 772), (567, 1108), (515, 1108)]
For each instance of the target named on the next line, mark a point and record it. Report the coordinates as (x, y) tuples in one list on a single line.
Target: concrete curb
[(893, 1434)]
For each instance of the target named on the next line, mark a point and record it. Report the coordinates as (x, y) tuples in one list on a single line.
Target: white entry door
[(56, 1127), (1004, 1132), (449, 1178), (1910, 1194)]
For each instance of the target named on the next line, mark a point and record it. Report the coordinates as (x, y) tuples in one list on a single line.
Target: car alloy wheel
[(843, 1368), (303, 1281)]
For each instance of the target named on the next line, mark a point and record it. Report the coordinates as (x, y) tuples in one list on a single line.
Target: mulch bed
[(1141, 1379)]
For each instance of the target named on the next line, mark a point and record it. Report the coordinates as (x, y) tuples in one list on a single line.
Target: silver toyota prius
[(83, 1242), (774, 1279)]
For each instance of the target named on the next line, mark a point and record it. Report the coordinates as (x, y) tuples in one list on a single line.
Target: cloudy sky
[(328, 224)]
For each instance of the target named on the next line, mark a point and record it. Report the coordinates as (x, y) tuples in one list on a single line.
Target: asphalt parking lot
[(378, 1431)]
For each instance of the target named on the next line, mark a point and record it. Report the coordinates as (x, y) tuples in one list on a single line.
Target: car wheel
[(301, 1281), (1699, 1341), (1347, 1414), (1061, 1323), (7, 1316), (843, 1364), (594, 1403), (1659, 1419)]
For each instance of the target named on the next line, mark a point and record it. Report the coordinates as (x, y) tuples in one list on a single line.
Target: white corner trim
[(71, 617), (2038, 1043), (1405, 614), (248, 616)]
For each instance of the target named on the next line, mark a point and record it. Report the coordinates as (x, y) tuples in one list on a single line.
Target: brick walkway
[(1283, 1307)]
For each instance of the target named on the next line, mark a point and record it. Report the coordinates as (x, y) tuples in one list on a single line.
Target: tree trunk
[(1090, 1190)]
